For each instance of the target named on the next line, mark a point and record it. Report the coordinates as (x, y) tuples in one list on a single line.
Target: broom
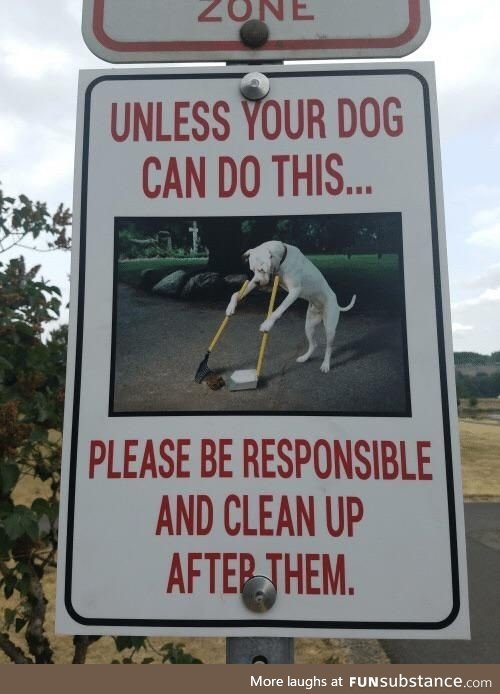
[(248, 379), (203, 371)]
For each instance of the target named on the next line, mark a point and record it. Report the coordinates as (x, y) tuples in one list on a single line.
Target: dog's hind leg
[(313, 319), (330, 320)]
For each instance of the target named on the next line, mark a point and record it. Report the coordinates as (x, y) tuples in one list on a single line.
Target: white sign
[(343, 488), (125, 31)]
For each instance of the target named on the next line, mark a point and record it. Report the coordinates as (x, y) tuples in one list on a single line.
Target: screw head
[(255, 86), (259, 594), (254, 33)]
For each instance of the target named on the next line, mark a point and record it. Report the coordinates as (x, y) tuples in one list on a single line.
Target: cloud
[(41, 50), (463, 42), (460, 329), (32, 23), (489, 237), (53, 170), (486, 217), (74, 7), (33, 62), (465, 47), (487, 223), (487, 297), (487, 279), (38, 158), (484, 191), (475, 323), (12, 129)]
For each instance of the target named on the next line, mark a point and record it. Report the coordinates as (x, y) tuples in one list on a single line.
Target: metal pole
[(259, 595), (250, 651)]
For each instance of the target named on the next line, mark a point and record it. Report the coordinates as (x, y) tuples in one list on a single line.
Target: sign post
[(340, 487), (250, 651)]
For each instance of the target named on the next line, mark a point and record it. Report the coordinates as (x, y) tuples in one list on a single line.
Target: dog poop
[(215, 382)]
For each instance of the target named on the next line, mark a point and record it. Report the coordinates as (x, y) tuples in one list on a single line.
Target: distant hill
[(476, 359), (477, 375)]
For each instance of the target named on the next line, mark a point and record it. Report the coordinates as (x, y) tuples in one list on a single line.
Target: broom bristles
[(203, 370)]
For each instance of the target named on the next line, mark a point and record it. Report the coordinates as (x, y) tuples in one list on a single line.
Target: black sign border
[(259, 622)]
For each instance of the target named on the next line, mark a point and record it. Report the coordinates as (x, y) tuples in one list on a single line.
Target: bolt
[(254, 33), (259, 594), (255, 86)]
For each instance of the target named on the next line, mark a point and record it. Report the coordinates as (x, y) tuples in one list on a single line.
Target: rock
[(206, 285), (171, 285), (152, 276), (234, 282)]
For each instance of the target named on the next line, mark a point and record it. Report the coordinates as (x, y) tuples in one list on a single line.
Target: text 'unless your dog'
[(199, 121)]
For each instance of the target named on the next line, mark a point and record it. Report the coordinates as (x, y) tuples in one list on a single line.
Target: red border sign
[(105, 46)]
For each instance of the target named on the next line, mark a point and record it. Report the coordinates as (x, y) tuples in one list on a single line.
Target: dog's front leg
[(233, 302), (293, 295)]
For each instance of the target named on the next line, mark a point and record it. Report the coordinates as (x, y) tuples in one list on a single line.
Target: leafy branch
[(32, 377)]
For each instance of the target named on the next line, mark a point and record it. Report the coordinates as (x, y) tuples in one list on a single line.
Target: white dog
[(301, 279)]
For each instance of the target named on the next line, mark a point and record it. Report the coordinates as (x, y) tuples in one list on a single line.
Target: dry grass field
[(480, 448), (484, 406)]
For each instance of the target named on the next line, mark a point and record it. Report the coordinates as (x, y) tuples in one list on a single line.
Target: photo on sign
[(176, 279)]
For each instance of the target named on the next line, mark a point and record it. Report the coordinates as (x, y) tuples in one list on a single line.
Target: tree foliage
[(479, 385), (28, 224), (32, 370), (32, 375), (476, 359), (477, 375), (226, 238)]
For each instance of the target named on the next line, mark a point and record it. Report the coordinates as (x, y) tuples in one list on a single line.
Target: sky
[(41, 51)]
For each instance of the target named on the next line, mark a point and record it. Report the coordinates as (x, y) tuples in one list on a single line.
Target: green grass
[(366, 269), (356, 263), (377, 283)]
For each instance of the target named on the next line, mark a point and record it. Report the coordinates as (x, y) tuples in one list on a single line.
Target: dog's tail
[(350, 305)]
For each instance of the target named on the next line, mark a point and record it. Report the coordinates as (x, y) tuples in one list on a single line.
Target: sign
[(126, 31), (342, 486)]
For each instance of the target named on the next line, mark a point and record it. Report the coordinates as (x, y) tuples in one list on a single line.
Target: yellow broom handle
[(265, 336), (222, 326)]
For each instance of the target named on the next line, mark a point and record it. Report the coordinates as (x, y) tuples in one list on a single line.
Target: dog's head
[(264, 262)]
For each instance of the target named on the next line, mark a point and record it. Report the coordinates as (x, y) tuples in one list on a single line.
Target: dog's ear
[(246, 254)]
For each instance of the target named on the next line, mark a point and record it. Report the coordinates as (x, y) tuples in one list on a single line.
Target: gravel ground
[(160, 343)]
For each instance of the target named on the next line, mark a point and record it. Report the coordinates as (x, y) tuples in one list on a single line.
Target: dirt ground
[(480, 449)]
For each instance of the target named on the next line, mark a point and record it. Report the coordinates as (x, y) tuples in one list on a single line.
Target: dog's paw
[(266, 326), (325, 368), (303, 358), (230, 310)]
